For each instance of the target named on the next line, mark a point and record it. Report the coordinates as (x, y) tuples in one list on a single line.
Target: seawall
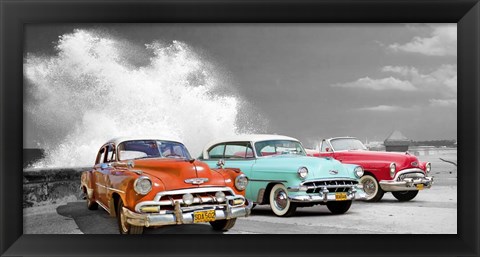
[(51, 185)]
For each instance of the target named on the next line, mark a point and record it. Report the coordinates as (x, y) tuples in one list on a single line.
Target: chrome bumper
[(326, 196), (177, 216), (407, 184)]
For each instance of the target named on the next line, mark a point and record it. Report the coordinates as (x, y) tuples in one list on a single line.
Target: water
[(93, 90)]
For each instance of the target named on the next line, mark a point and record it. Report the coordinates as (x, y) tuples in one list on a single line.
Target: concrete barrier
[(51, 185)]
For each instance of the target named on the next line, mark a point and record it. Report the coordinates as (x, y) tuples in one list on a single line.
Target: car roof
[(249, 138), (119, 140)]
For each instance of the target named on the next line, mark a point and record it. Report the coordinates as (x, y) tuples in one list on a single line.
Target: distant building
[(396, 142)]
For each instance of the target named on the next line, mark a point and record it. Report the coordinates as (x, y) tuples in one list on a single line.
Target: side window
[(216, 152), (100, 156), (111, 153), (238, 151)]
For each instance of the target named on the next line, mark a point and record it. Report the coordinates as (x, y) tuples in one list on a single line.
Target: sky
[(308, 81)]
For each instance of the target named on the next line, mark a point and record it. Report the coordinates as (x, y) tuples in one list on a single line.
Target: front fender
[(229, 175), (351, 170)]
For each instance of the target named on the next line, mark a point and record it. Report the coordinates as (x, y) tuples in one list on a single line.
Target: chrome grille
[(199, 198), (204, 197), (331, 185), (411, 175)]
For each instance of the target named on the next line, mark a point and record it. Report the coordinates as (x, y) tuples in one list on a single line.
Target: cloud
[(443, 79), (443, 102), (382, 108), (441, 42), (378, 84), (402, 70)]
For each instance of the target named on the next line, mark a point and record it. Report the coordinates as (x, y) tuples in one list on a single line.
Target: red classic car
[(152, 182), (399, 173)]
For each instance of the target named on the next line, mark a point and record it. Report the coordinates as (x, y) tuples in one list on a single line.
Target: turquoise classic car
[(280, 173)]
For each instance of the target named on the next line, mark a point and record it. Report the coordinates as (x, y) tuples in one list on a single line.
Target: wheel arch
[(268, 189), (114, 204), (366, 172)]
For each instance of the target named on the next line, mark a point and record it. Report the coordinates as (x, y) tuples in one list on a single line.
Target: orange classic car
[(152, 182)]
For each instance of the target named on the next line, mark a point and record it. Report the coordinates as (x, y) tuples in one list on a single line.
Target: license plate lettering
[(341, 196), (420, 186), (204, 216)]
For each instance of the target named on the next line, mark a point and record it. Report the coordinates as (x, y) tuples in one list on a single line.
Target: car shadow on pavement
[(264, 210), (100, 222)]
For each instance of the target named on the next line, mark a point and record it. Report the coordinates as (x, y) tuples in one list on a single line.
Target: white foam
[(89, 93)]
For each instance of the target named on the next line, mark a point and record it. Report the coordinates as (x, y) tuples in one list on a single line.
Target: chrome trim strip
[(110, 188), (267, 180), (103, 206), (329, 179), (100, 185), (116, 190)]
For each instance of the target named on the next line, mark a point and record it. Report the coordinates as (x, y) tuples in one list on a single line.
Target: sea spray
[(90, 92)]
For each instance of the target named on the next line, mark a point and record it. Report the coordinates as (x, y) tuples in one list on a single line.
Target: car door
[(113, 176), (240, 155), (234, 155), (100, 191)]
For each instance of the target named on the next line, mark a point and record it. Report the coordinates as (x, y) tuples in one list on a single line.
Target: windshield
[(138, 149), (278, 147), (342, 144)]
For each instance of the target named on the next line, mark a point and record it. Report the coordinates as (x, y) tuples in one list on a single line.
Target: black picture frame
[(16, 14)]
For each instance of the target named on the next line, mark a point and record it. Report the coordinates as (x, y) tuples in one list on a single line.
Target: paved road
[(433, 211)]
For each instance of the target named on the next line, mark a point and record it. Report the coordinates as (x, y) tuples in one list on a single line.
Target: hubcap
[(369, 186), (281, 199)]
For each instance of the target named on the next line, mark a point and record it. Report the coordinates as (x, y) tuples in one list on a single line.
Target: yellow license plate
[(341, 196), (204, 216), (420, 186)]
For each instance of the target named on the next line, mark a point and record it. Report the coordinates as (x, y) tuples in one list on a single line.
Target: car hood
[(401, 159), (318, 168), (173, 173)]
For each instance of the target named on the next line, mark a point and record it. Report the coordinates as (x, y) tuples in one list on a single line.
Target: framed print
[(234, 93)]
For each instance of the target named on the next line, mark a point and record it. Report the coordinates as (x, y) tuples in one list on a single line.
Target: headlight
[(187, 198), (142, 185), (358, 172), (220, 196), (241, 182), (393, 168), (302, 172), (428, 167)]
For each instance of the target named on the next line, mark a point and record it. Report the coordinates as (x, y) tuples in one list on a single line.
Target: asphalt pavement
[(433, 211)]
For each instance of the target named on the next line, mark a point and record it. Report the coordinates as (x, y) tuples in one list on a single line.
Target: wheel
[(223, 225), (372, 188), (339, 207), (404, 196), (123, 226), (279, 202), (91, 205)]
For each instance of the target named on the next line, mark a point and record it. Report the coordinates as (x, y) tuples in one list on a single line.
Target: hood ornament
[(196, 181), (333, 172)]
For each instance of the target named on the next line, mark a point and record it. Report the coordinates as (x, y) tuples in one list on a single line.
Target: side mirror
[(327, 149), (220, 163)]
